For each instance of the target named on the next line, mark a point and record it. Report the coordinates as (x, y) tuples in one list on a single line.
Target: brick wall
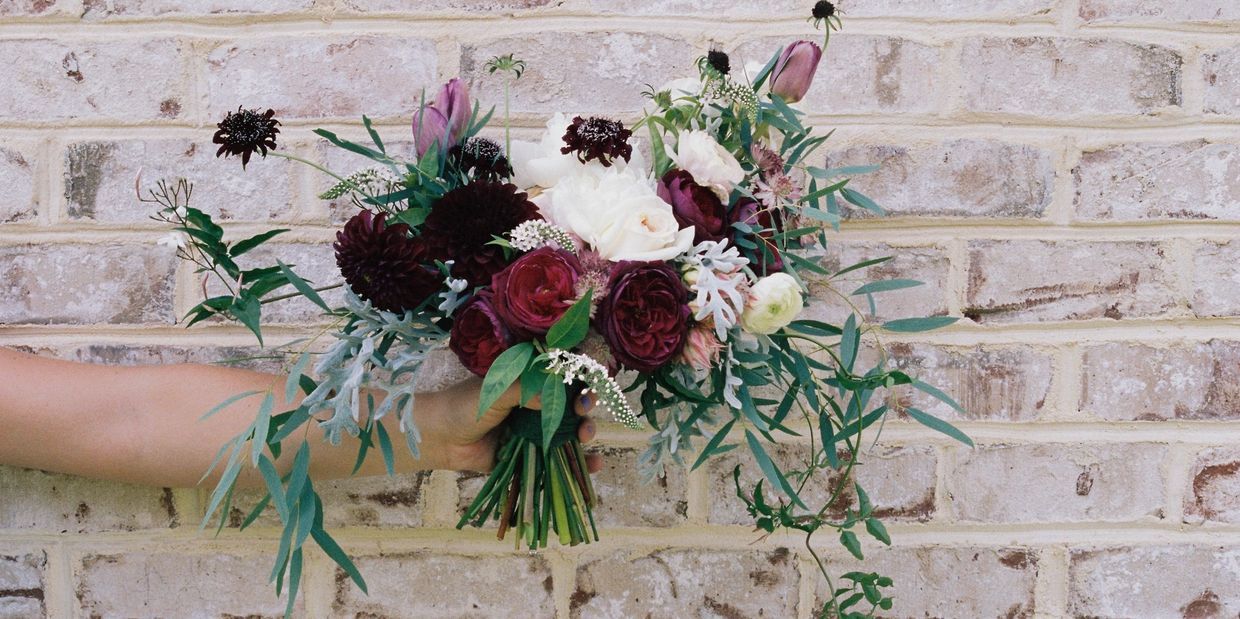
[(1064, 174)]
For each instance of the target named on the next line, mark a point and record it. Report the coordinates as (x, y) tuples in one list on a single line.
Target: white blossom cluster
[(576, 367), (531, 235)]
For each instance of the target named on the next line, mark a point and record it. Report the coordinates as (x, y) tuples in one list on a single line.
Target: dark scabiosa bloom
[(719, 61), (462, 224), (823, 10), (384, 264), (245, 132), (482, 157), (598, 138)]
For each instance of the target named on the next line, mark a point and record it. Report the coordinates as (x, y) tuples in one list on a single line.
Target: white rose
[(710, 164), (618, 214), (541, 164), (773, 302)]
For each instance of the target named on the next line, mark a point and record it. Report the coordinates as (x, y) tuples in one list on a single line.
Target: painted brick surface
[(1130, 382), (995, 384), (1186, 181), (17, 168), (1214, 487), (1220, 69), (35, 500), (1155, 581), (22, 585), (1130, 11), (84, 284)]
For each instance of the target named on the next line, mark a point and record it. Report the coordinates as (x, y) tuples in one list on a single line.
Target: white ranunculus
[(774, 301), (541, 164), (710, 163), (618, 214)]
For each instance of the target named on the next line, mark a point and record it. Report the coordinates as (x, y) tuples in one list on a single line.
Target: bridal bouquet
[(661, 267)]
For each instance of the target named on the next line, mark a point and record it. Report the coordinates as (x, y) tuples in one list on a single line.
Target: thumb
[(504, 406)]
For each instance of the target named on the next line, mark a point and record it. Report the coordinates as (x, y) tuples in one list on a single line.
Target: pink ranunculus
[(794, 72)]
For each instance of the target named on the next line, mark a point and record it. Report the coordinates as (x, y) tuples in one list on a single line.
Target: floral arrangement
[(670, 289)]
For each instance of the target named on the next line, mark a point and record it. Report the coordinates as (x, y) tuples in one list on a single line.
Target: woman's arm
[(141, 424)]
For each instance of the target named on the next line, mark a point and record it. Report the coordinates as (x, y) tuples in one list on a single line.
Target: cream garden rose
[(618, 214), (774, 301), (710, 163)]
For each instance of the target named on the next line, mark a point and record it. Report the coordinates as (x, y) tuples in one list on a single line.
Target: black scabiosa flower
[(719, 61), (598, 138), (384, 264), (246, 131), (823, 10), (462, 224), (482, 157)]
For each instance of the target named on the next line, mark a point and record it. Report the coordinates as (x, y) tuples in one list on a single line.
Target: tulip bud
[(453, 102), (430, 127), (794, 73)]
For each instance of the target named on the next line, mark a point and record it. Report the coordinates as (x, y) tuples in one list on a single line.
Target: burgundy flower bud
[(645, 316), (430, 127), (478, 335), (694, 205), (794, 72), (533, 292), (453, 103)]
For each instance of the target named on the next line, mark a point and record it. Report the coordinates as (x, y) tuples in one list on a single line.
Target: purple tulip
[(430, 127), (453, 102), (794, 73)]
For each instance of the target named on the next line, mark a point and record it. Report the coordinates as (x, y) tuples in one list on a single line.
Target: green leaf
[(934, 423), (385, 446), (771, 471), (243, 246), (713, 445), (862, 265), (937, 394), (302, 287), (503, 373), (262, 425), (294, 377), (877, 530), (274, 489), (229, 402), (572, 327), (414, 217), (760, 78), (827, 174), (554, 401), (338, 555), (294, 581), (256, 512), (814, 327), (249, 311), (374, 135), (850, 541), (350, 146), (886, 285), (306, 513), (859, 199), (915, 325), (298, 474), (849, 342)]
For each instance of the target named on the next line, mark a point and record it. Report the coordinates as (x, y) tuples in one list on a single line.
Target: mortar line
[(563, 581), (1067, 386), (1052, 585), (58, 586), (1177, 472)]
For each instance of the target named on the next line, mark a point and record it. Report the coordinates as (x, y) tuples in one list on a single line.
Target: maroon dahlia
[(462, 224), (598, 138), (645, 317), (384, 264), (478, 335)]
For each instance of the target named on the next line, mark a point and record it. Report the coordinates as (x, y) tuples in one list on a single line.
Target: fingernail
[(589, 429), (586, 402)]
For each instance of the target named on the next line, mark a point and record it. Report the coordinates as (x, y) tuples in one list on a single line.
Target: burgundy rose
[(645, 318), (751, 213), (694, 205), (478, 335), (533, 292)]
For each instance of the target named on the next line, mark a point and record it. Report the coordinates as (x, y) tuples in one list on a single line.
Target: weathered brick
[(928, 265), (17, 202), (37, 500), (900, 482), (1187, 180), (286, 69), (1213, 492), (82, 284), (959, 178), (22, 585), (377, 501), (436, 584), (1036, 281), (937, 9), (1178, 580), (113, 79), (34, 8), (1059, 483), (100, 176), (1135, 382), (102, 9), (1069, 78), (1221, 71), (145, 585), (490, 7), (133, 354), (1217, 271), (883, 75), (1103, 11), (991, 383), (608, 81), (947, 582), (684, 582), (713, 8)]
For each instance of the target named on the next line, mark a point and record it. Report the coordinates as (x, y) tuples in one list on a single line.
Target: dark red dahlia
[(462, 224), (384, 264), (598, 138), (245, 132)]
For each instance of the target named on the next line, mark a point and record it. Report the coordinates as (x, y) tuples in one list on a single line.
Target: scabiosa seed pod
[(482, 157), (823, 10), (384, 264), (245, 132), (719, 61), (462, 224), (598, 138)]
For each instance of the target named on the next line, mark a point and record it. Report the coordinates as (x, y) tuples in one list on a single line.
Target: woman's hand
[(470, 441)]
